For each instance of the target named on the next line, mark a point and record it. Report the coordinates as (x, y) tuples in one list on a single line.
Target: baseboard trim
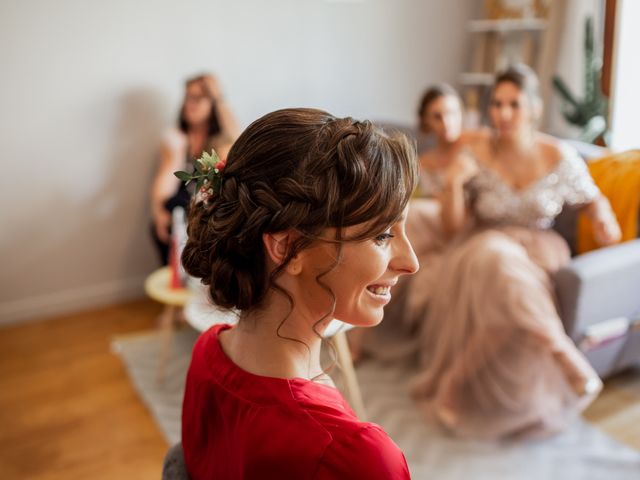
[(69, 301)]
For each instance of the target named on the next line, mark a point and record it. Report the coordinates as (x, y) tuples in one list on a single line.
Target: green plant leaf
[(183, 176)]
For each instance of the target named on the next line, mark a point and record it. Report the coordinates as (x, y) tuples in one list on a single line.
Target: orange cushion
[(618, 178)]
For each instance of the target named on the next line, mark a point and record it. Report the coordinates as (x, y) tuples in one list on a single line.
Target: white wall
[(625, 94), (88, 87)]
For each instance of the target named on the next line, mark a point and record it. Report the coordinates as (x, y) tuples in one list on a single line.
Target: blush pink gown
[(495, 359)]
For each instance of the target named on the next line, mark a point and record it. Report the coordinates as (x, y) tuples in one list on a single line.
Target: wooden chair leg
[(166, 324), (351, 382)]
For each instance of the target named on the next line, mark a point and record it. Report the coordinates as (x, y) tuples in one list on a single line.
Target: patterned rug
[(583, 452)]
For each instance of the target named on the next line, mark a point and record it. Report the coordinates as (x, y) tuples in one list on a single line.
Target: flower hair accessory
[(207, 175)]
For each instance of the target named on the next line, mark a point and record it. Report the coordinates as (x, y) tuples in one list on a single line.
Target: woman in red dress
[(304, 224)]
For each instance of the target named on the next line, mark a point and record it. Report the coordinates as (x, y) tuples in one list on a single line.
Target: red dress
[(237, 425)]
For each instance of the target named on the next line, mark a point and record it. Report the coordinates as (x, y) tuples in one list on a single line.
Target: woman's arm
[(581, 190), (164, 186), (228, 123), (454, 205), (454, 209), (605, 225)]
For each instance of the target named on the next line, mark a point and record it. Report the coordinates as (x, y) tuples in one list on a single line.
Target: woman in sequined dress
[(495, 359)]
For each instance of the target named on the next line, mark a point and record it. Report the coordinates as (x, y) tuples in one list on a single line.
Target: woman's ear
[(278, 245)]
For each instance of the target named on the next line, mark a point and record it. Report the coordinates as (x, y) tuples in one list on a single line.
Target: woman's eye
[(383, 238), (515, 105)]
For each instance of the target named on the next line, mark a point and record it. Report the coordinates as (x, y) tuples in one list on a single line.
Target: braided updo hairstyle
[(299, 169)]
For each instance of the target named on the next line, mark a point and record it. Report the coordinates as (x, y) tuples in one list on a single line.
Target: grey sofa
[(599, 302), (598, 293)]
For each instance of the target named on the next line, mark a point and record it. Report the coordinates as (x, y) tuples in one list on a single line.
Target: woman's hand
[(162, 223), (461, 170), (454, 209), (228, 123), (606, 231), (213, 86)]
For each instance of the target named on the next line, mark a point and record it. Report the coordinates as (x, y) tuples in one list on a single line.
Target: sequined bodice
[(431, 183), (496, 203)]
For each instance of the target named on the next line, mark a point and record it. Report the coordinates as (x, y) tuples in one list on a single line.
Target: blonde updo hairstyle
[(299, 169)]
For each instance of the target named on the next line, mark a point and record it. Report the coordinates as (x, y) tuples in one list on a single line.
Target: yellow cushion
[(618, 178)]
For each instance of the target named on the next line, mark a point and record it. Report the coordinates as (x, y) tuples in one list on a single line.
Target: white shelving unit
[(505, 25), (495, 44)]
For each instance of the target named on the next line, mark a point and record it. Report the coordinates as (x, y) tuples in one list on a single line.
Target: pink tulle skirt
[(495, 359)]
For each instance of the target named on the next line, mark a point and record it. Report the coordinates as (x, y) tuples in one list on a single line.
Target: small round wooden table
[(158, 287)]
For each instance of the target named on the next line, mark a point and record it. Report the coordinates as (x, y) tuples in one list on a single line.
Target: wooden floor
[(68, 411), (617, 409)]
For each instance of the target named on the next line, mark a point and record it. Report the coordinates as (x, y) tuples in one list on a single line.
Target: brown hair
[(213, 120), (432, 94), (523, 77), (299, 169)]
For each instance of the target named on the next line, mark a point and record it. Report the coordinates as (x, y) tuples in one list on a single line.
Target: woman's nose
[(448, 124), (505, 113), (404, 260)]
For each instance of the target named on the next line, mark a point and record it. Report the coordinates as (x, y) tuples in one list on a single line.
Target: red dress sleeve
[(366, 453)]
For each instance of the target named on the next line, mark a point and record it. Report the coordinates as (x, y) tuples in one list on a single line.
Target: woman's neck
[(521, 143), (263, 344), (445, 147), (445, 152), (197, 135), (198, 128)]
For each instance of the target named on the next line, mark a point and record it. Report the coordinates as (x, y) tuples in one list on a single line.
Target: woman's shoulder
[(374, 440), (357, 449), (558, 154), (553, 148), (204, 349), (365, 451), (475, 136), (174, 139)]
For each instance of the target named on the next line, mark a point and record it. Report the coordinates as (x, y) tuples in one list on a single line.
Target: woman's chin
[(452, 138), (370, 320), (509, 133)]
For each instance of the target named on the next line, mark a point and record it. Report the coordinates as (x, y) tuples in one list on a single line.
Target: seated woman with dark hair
[(440, 115), (303, 225), (205, 122)]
